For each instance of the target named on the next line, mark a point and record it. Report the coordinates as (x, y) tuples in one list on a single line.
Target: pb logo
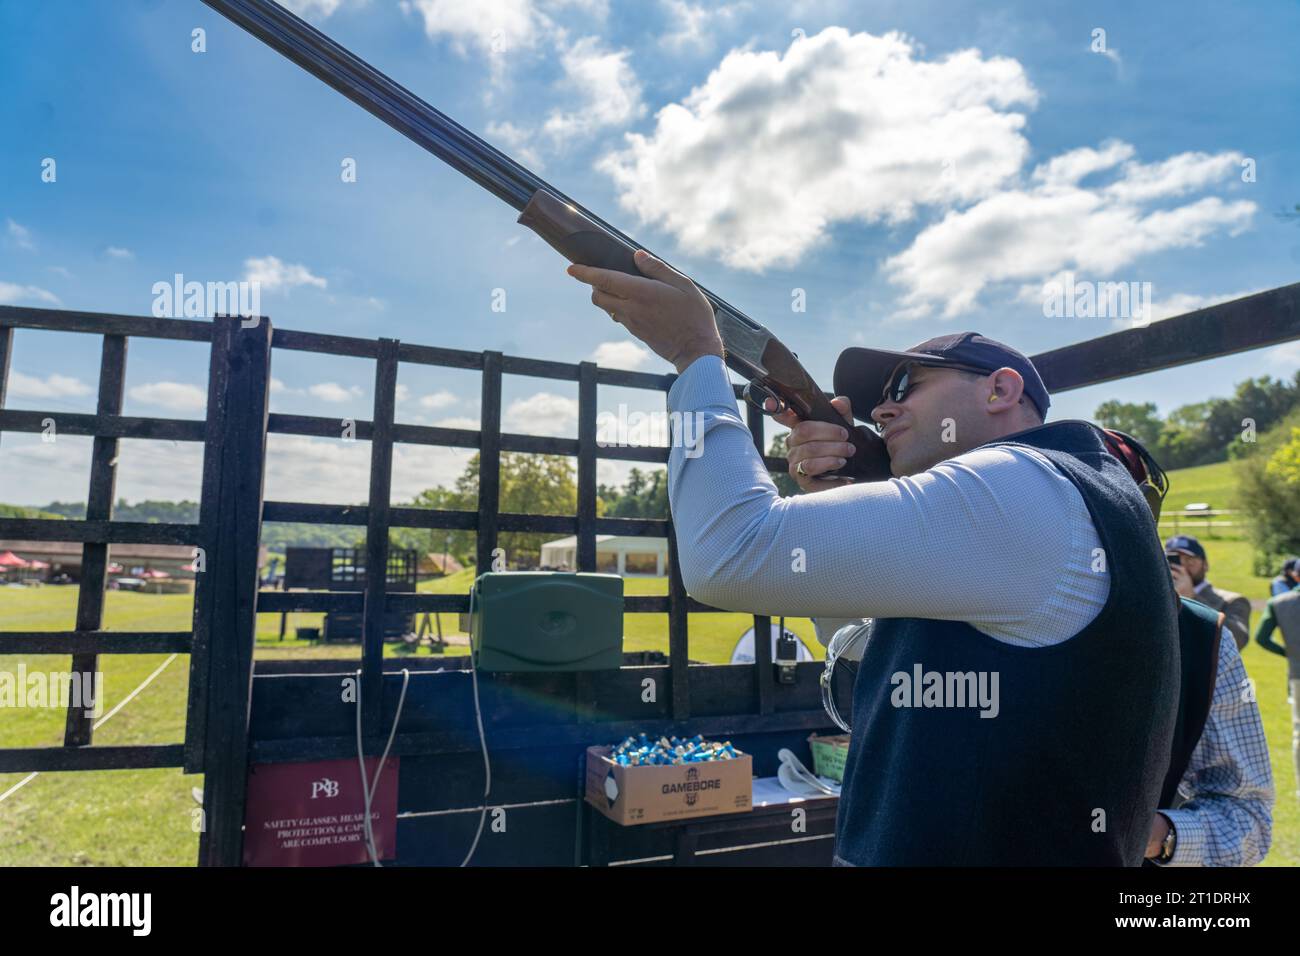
[(692, 794), (325, 785)]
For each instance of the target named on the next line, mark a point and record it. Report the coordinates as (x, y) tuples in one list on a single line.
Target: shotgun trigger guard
[(764, 393)]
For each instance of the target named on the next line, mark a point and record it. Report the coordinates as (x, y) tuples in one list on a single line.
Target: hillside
[(1214, 484)]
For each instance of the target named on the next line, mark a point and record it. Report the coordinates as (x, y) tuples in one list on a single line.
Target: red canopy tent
[(10, 560)]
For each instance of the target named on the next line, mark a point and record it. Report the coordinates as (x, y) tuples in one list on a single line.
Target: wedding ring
[(799, 469)]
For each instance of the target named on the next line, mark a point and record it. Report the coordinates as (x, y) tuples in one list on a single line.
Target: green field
[(145, 817), (133, 818)]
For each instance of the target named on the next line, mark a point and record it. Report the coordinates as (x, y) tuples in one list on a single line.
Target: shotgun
[(769, 367)]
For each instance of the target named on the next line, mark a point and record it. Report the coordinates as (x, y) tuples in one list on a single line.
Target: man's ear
[(1007, 387)]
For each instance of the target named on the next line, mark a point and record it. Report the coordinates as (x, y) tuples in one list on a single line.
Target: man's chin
[(901, 464), (909, 461)]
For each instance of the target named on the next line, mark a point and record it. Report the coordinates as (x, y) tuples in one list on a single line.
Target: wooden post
[(678, 638), (376, 563), (6, 355), (78, 727), (232, 570), (489, 462), (585, 681)]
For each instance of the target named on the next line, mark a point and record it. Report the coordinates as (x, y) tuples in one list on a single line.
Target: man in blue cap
[(1188, 565), (1285, 581), (1017, 701)]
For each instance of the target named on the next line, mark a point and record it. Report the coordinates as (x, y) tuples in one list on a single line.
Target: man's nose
[(885, 412)]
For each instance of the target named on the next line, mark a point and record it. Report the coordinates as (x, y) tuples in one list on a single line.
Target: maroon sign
[(312, 814)]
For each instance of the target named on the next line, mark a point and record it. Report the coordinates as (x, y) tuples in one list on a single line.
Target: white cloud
[(333, 392), (1285, 357), (697, 26), (52, 386), (1070, 167), (311, 8), (299, 468), (20, 236), (274, 275), (459, 421), (12, 294), (626, 355), (38, 472), (1027, 234), (593, 9), (1112, 54), (516, 142), (1176, 176), (491, 26), (758, 163), (607, 86), (175, 395), (61, 271), (439, 399), (541, 414), (1181, 303), (117, 252)]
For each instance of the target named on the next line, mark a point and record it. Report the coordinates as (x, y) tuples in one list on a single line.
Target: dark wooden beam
[(105, 323), (1256, 321)]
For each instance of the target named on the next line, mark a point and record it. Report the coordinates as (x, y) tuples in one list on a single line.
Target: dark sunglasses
[(901, 381)]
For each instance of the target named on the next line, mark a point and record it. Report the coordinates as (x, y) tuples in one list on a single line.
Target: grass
[(1214, 485), (146, 817)]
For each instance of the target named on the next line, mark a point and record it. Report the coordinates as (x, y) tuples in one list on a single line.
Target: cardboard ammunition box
[(829, 754), (649, 794)]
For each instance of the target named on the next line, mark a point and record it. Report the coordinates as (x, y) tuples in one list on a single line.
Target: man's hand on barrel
[(816, 447), (663, 309)]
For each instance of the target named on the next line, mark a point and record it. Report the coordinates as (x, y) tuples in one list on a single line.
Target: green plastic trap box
[(829, 755), (546, 621)]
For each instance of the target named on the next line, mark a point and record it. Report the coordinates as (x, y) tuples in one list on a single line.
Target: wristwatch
[(1167, 845)]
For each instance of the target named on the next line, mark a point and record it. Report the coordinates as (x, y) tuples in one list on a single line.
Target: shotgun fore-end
[(575, 235)]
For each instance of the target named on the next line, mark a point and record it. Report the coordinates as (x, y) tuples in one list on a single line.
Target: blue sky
[(915, 168)]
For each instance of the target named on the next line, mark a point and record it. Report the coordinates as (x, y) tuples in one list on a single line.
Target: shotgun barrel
[(751, 349)]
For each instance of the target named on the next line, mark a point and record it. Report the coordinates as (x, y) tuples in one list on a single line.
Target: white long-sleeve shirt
[(996, 537)]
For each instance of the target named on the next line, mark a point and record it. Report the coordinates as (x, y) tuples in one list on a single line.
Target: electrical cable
[(482, 737), (368, 792)]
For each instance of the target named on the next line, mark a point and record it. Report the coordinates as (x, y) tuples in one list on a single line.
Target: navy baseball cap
[(1185, 544), (1290, 563), (861, 374)]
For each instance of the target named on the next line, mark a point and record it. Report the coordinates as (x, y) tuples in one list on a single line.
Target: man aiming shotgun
[(1064, 610), (1061, 602)]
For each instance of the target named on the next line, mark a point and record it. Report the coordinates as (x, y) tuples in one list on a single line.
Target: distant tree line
[(1268, 479), (644, 495), (1202, 433), (1194, 434)]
